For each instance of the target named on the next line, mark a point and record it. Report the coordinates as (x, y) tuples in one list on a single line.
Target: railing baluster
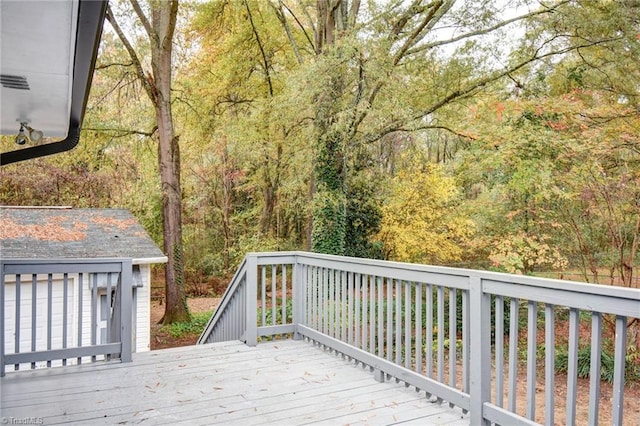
[(372, 314), (389, 319), (49, 313), (429, 328), (572, 372), (263, 295), (407, 324), (513, 354), (418, 327), (380, 336), (94, 310), (594, 370), (65, 312), (274, 294), (315, 297), (499, 348), (337, 304), (108, 313), (308, 311), (365, 311), (337, 322), (453, 337), (350, 308), (532, 327), (440, 334), (18, 326), (324, 306), (398, 345), (549, 364), (357, 312), (80, 305), (343, 305), (618, 370), (34, 313), (284, 294)]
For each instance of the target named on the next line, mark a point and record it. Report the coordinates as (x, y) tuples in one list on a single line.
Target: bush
[(632, 371), (195, 326)]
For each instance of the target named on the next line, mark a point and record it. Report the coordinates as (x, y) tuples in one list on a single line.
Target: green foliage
[(195, 325), (329, 222), (363, 217), (279, 320), (607, 361)]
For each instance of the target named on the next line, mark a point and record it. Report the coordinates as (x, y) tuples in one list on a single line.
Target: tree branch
[(123, 132), (479, 84), (132, 53), (438, 9), (262, 51), (114, 64), (311, 24), (143, 19), (483, 31), (283, 20)]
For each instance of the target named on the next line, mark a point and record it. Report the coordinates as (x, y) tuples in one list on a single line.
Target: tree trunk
[(160, 28), (163, 23)]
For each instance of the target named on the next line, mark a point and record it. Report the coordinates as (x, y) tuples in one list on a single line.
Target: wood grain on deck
[(282, 382)]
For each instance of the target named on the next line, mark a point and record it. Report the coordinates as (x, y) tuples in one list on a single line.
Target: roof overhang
[(47, 57)]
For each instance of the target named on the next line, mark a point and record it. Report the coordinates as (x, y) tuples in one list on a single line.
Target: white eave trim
[(150, 260)]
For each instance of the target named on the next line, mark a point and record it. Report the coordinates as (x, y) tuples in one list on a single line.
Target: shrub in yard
[(632, 371), (194, 326)]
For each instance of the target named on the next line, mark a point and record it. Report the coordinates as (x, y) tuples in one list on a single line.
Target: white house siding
[(142, 311)]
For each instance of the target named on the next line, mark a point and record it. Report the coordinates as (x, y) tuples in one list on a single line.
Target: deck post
[(251, 301), (298, 297), (126, 334), (480, 350)]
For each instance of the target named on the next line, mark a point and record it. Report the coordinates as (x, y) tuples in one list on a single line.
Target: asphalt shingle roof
[(74, 233)]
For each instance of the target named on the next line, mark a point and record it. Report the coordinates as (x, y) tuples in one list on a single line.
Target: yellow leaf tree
[(421, 221)]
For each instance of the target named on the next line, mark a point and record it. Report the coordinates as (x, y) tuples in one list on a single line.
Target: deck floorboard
[(281, 382)]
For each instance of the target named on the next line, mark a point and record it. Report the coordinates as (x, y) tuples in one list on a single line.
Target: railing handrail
[(542, 282)]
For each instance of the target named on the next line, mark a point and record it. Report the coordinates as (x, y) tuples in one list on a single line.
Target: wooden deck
[(281, 382)]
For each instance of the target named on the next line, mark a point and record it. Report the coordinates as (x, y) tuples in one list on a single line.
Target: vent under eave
[(14, 82)]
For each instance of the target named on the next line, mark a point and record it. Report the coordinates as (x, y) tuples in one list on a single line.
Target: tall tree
[(159, 22)]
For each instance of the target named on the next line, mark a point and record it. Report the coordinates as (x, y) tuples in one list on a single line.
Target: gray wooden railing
[(52, 311), (452, 333)]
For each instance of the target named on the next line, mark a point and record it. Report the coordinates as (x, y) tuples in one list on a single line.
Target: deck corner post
[(251, 336), (126, 309), (298, 298), (480, 350)]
